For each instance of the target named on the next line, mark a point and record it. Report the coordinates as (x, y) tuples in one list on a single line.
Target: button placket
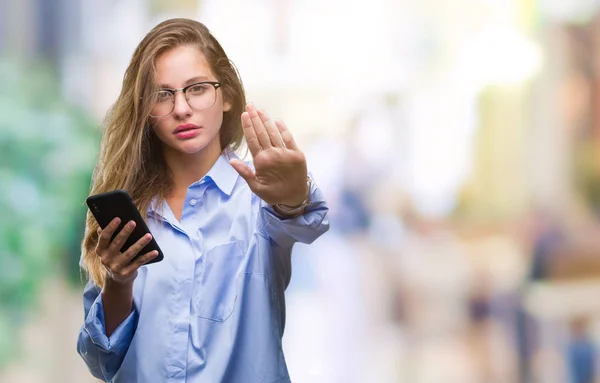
[(197, 194)]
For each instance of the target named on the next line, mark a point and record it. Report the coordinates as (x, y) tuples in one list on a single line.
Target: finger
[(272, 130), (120, 239), (286, 135), (107, 233), (251, 139), (245, 172), (136, 247), (261, 132), (140, 261)]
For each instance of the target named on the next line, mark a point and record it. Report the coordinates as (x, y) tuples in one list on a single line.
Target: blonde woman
[(213, 310)]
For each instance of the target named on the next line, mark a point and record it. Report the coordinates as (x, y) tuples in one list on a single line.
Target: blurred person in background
[(581, 353), (214, 308)]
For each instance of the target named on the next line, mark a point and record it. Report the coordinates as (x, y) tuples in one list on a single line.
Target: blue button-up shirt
[(214, 309)]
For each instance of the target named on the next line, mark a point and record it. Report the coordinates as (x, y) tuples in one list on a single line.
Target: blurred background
[(457, 143)]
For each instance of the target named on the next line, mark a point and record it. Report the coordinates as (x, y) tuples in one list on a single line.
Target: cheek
[(216, 118), (160, 126)]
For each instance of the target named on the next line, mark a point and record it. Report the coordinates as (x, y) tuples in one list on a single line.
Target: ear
[(226, 106)]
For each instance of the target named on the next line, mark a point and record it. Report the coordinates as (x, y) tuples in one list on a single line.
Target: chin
[(195, 146), (192, 146), (190, 149)]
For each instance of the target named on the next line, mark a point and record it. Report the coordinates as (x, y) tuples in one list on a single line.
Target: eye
[(198, 89), (163, 95)]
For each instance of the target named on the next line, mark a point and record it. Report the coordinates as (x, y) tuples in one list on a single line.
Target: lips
[(186, 131), (185, 127)]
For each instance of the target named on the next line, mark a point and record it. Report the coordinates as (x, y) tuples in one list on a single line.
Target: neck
[(189, 168)]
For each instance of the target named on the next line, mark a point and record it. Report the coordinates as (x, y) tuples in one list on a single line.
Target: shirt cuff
[(304, 228), (120, 339)]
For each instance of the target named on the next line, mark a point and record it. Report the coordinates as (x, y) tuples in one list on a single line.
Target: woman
[(213, 310)]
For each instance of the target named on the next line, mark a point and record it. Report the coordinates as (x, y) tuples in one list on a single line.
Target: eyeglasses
[(200, 95)]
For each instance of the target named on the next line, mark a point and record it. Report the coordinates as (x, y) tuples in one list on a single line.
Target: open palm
[(280, 166)]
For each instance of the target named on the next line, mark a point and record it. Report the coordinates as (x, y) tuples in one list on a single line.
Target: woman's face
[(187, 130)]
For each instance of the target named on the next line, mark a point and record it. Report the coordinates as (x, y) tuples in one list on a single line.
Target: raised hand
[(280, 167)]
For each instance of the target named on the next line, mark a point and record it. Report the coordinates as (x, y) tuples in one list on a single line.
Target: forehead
[(178, 65)]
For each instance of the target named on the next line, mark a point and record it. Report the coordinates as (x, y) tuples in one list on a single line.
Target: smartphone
[(118, 203)]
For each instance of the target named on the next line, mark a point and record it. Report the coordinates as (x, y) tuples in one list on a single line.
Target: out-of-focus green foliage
[(47, 153)]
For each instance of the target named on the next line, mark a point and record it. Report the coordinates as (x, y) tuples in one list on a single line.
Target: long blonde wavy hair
[(130, 153)]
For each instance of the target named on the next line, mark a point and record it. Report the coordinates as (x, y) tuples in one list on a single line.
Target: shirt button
[(193, 202)]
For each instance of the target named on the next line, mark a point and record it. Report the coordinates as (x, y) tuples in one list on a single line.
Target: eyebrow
[(188, 82)]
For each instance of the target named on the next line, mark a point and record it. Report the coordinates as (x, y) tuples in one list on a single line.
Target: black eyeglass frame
[(215, 84)]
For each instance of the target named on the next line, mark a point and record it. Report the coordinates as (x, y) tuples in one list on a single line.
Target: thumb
[(245, 172)]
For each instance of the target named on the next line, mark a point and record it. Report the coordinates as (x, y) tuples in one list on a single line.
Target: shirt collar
[(222, 174)]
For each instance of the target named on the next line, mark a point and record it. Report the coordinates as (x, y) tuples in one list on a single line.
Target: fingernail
[(131, 224)]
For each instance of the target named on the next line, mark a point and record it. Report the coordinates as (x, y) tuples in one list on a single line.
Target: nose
[(181, 109)]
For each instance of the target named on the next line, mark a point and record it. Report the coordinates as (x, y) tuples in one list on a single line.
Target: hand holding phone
[(125, 242)]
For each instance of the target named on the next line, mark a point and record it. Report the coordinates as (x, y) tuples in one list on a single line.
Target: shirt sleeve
[(305, 228), (103, 355)]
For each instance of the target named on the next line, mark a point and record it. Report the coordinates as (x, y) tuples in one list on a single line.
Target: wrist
[(113, 285), (295, 209), (298, 201)]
